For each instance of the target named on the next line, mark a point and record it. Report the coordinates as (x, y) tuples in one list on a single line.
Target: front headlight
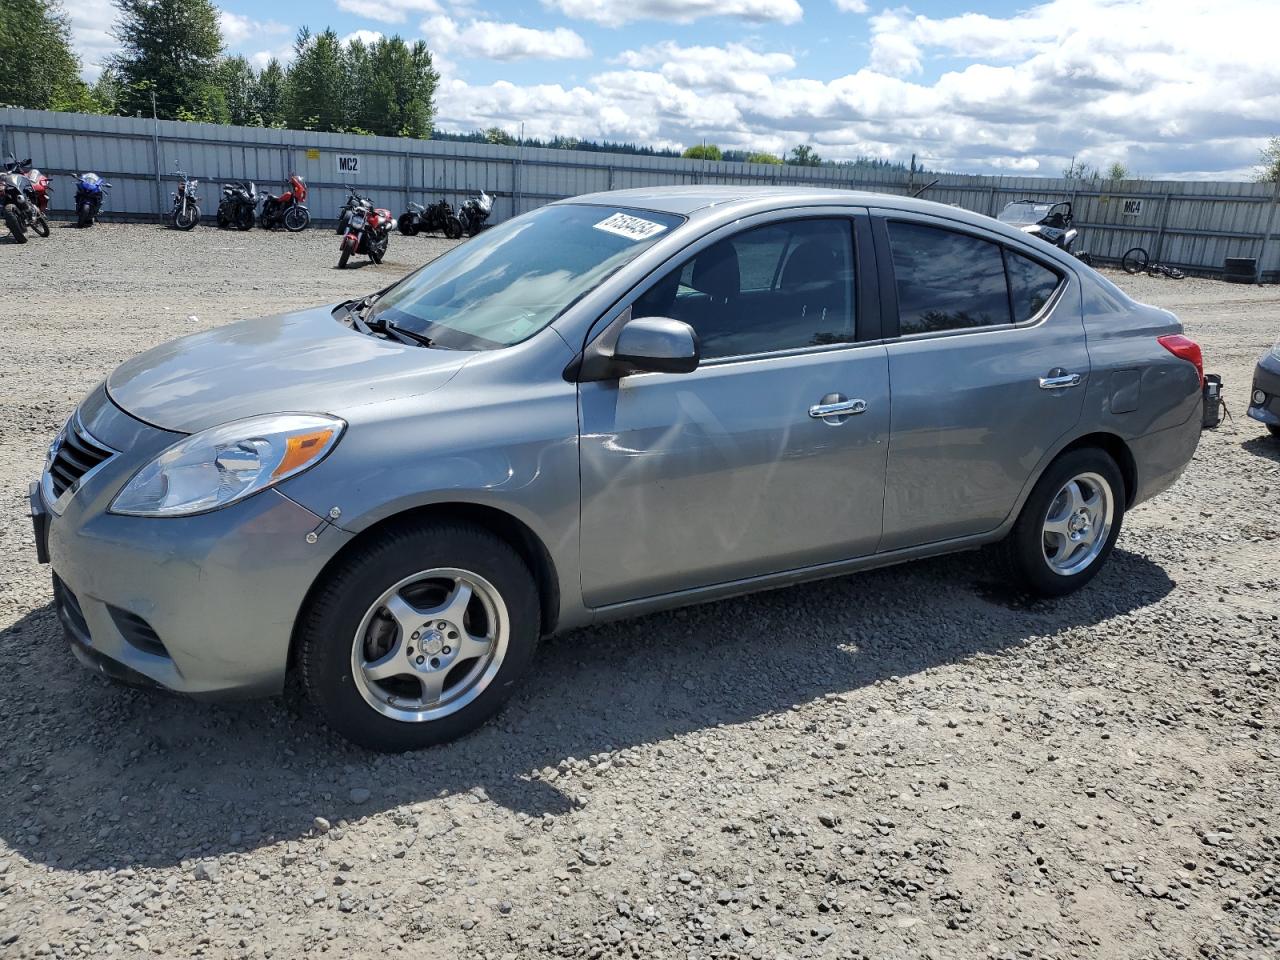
[(227, 463)]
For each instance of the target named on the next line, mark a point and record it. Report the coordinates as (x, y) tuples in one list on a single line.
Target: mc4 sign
[(348, 163)]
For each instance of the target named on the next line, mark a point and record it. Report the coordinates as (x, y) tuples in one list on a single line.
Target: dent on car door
[(701, 478), (988, 374)]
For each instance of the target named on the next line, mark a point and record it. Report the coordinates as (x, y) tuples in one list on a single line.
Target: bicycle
[(1136, 260)]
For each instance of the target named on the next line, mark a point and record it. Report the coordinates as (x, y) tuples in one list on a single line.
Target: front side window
[(510, 281), (781, 286), (946, 280)]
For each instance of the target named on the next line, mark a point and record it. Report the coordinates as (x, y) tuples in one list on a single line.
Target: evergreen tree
[(171, 48), (37, 66), (316, 95), (270, 93), (239, 86)]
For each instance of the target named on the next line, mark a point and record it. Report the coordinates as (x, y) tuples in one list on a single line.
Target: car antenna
[(931, 183)]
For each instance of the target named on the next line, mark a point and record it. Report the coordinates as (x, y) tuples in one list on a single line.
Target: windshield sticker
[(633, 228)]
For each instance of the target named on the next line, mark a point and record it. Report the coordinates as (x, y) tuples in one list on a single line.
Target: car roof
[(694, 200)]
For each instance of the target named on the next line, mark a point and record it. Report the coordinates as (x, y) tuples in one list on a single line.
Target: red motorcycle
[(289, 209), (368, 231), (24, 195)]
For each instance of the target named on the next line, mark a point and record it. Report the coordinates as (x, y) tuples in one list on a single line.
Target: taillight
[(1184, 348)]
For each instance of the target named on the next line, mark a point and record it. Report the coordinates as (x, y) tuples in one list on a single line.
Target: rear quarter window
[(1030, 285)]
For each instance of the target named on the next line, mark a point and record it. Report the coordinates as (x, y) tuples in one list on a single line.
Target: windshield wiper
[(406, 334)]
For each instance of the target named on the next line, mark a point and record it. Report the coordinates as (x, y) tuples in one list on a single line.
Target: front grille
[(76, 454), (137, 632)]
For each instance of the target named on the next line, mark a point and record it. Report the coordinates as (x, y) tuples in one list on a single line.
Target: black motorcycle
[(186, 203), (475, 212), (238, 205), (91, 193), (17, 195), (1050, 221), (437, 218)]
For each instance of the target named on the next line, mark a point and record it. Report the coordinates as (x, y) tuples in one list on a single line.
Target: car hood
[(305, 362)]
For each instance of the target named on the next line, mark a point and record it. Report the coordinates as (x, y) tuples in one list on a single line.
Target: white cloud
[(489, 40), (236, 28), (91, 22), (613, 13), (852, 6), (366, 37), (389, 11)]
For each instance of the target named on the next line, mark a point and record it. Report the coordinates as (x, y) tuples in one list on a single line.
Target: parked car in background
[(1264, 400), (607, 406)]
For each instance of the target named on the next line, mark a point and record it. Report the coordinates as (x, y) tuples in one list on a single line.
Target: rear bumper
[(1161, 457)]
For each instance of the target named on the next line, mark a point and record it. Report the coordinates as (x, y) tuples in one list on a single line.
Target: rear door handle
[(1059, 378), (837, 408)]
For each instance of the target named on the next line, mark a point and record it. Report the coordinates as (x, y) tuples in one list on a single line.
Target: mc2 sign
[(348, 163)]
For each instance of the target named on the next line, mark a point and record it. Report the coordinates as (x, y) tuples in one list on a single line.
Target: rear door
[(988, 371)]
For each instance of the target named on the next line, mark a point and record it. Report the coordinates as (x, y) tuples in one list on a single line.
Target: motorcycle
[(1050, 221), (186, 203), (353, 200), (289, 209), (238, 204), (91, 194), (21, 199), (475, 212), (368, 231), (437, 218)]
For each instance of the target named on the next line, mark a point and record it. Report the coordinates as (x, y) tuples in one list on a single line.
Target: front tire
[(343, 257), (419, 636), (296, 219), (13, 220), (186, 216), (84, 215), (407, 224), (244, 219), (1068, 526), (40, 225)]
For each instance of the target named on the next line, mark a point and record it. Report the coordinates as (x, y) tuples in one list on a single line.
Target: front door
[(771, 455)]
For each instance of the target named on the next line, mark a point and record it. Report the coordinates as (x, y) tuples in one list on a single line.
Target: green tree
[(804, 155), (239, 86), (38, 69), (270, 94), (170, 48), (702, 151), (1080, 170), (1117, 171), (1268, 170), (316, 96), (762, 157), (399, 94), (499, 136)]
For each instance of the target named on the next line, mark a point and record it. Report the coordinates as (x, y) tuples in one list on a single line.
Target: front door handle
[(1058, 379), (834, 406)]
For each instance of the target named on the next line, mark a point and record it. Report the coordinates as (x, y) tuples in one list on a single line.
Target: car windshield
[(510, 281), (1024, 211)]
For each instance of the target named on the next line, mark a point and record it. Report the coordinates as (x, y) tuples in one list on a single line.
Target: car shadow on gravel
[(1265, 446), (95, 776)]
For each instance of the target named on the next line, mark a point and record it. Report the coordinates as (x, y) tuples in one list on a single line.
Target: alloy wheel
[(1078, 524)]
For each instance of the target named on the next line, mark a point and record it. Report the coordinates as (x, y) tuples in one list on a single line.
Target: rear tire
[(453, 228), (378, 249), (41, 225), (345, 628), (244, 219), (13, 220), (1060, 542), (407, 225)]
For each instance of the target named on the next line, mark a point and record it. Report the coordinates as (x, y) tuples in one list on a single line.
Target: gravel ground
[(906, 763)]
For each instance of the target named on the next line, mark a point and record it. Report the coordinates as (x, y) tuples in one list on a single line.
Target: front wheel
[(13, 220), (296, 219), (40, 225), (186, 216), (419, 636), (407, 224), (452, 227), (1068, 526), (244, 219), (1135, 260), (343, 257), (84, 215)]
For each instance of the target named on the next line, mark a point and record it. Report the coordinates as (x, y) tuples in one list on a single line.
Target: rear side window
[(946, 280), (1030, 285)]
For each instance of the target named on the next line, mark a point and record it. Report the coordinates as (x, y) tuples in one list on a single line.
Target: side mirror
[(640, 345), (657, 345)]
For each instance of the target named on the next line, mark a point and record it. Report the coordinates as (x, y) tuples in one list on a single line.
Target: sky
[(1169, 88)]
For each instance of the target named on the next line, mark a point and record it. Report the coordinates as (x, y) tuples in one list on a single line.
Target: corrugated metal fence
[(1193, 224)]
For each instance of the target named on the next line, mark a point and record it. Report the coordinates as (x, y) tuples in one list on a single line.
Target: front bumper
[(201, 605), (1266, 378)]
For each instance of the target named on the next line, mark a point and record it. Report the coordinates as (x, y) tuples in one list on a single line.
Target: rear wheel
[(1068, 526), (452, 227), (244, 219), (407, 224), (378, 248), (40, 225), (1135, 260), (296, 219), (419, 636), (13, 220)]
